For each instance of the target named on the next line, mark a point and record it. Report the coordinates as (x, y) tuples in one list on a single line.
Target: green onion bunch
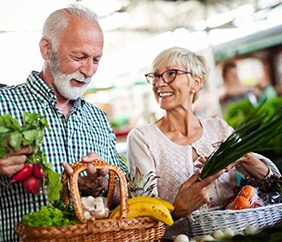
[(252, 135)]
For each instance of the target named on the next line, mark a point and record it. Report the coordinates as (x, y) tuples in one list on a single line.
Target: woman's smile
[(165, 94)]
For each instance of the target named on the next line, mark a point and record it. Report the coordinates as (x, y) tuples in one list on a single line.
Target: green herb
[(252, 135), (31, 132)]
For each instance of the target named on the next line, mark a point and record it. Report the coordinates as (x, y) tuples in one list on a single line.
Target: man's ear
[(45, 47)]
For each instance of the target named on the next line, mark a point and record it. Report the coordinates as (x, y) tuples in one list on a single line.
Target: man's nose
[(88, 69)]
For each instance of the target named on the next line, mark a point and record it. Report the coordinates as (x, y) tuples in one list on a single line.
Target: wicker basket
[(203, 223), (118, 229)]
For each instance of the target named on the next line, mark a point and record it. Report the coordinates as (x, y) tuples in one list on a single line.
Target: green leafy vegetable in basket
[(256, 131), (49, 216), (37, 171)]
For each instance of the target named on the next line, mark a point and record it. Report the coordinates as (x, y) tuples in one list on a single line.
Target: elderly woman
[(174, 147)]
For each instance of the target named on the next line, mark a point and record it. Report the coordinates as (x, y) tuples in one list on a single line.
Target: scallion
[(252, 135)]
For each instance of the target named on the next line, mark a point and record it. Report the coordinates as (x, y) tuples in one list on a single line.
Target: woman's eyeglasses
[(167, 76)]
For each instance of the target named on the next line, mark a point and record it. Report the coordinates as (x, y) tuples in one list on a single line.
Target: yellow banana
[(142, 199), (153, 210), (151, 199)]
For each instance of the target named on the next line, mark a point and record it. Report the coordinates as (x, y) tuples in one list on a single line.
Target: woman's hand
[(252, 165), (193, 194), (14, 161)]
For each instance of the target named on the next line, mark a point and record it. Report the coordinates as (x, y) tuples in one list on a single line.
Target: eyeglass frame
[(156, 75)]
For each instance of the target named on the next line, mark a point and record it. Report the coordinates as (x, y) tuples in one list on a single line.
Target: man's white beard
[(62, 81), (64, 87)]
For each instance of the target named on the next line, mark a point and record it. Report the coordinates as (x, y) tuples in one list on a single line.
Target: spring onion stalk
[(252, 135)]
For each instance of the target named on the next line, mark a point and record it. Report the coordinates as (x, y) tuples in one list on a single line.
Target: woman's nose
[(160, 82)]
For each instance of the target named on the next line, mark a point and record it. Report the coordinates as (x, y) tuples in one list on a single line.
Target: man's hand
[(95, 180), (14, 161)]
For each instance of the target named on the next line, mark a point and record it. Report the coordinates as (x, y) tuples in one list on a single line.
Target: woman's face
[(175, 95)]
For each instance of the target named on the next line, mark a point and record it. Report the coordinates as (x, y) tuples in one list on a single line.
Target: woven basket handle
[(79, 167)]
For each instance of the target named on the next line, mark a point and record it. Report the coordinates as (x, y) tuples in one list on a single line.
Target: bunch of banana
[(144, 206)]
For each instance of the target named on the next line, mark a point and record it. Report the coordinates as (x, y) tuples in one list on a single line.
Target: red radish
[(32, 185), (37, 170), (23, 174)]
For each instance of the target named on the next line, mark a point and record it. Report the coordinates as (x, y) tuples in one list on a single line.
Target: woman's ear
[(45, 47), (198, 83)]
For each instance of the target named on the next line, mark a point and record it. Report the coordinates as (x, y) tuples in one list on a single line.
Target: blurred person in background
[(175, 146), (233, 89), (71, 46)]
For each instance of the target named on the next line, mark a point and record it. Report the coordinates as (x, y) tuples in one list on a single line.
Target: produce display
[(37, 172)]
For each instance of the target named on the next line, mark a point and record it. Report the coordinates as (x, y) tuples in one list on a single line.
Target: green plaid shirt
[(87, 130)]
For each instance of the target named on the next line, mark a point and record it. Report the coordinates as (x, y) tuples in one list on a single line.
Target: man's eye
[(96, 60), (79, 58)]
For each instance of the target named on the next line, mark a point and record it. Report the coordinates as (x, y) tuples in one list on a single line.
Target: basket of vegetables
[(122, 227), (245, 212)]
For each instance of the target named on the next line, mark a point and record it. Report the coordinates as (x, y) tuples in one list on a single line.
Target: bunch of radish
[(15, 134), (30, 175)]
